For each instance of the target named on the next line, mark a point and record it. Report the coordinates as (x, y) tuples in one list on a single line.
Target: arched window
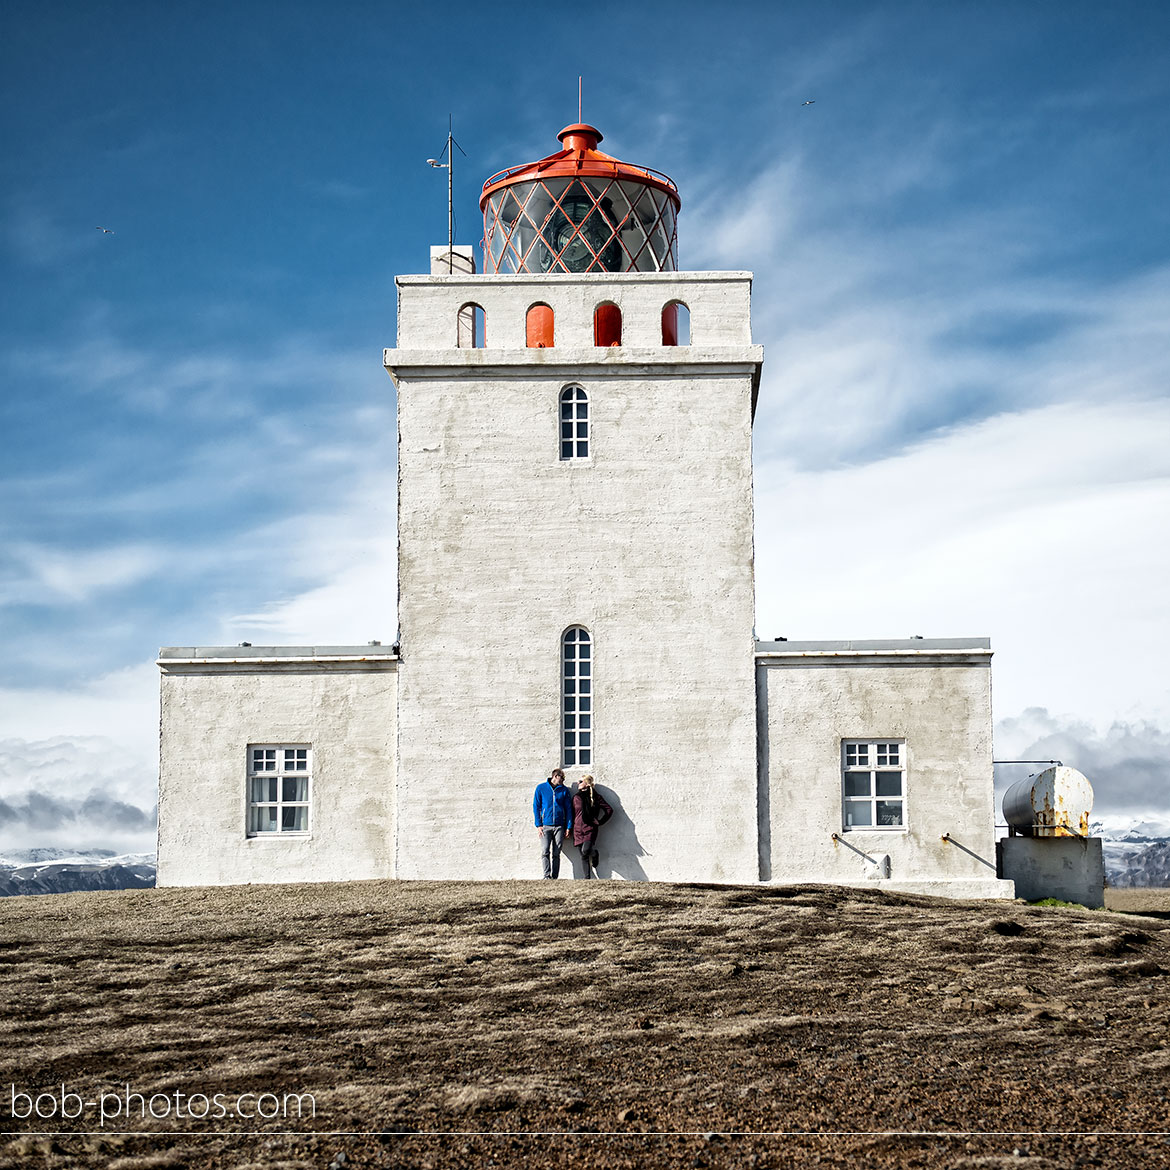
[(574, 423), (472, 327), (607, 324), (676, 324), (538, 327), (576, 696)]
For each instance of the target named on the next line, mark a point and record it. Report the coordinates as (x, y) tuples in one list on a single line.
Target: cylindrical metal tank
[(579, 210), (1056, 803)]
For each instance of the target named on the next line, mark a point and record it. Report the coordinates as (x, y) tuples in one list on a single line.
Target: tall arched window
[(538, 327), (576, 696), (472, 327), (574, 423), (676, 324), (607, 324)]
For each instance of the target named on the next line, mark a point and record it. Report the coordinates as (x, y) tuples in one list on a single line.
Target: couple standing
[(557, 812)]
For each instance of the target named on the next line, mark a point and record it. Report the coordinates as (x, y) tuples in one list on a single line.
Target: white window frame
[(279, 762), (882, 758), (577, 698), (573, 402)]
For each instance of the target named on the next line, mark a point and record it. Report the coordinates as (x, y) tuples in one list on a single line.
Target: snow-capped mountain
[(1137, 850), (59, 871)]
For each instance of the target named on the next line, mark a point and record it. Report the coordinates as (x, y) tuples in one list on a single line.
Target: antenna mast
[(449, 166)]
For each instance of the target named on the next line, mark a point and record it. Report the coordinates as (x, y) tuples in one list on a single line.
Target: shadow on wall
[(617, 844)]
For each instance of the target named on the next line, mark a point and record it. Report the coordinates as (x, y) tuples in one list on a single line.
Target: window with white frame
[(278, 788), (874, 775), (576, 696), (574, 423)]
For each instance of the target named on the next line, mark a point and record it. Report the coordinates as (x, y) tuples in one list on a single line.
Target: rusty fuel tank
[(1056, 803)]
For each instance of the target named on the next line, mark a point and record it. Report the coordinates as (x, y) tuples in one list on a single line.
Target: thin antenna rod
[(578, 100), (450, 195)]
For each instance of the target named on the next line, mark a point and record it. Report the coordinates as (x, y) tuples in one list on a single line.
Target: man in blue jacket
[(552, 811)]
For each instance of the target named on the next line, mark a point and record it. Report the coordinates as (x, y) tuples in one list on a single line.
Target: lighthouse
[(575, 591), (575, 531)]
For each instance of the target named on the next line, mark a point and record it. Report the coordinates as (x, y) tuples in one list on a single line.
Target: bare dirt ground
[(446, 1024)]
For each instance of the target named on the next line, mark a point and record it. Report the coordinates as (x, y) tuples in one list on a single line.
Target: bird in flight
[(107, 231), (811, 103)]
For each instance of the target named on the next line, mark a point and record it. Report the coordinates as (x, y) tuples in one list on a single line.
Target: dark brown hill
[(646, 1025)]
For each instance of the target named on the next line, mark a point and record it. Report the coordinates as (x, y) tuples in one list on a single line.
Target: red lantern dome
[(579, 210)]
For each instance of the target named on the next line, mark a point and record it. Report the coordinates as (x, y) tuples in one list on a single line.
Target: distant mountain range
[(1137, 854), (58, 871), (1137, 851)]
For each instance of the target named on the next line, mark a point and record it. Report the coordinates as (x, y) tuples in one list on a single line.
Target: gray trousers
[(551, 840)]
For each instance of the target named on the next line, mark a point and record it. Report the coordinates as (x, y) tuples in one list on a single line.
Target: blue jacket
[(552, 807)]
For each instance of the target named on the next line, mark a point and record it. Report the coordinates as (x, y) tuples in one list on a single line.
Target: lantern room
[(580, 210)]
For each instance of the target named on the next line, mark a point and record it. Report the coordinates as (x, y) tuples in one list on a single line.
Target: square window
[(873, 785), (278, 789)]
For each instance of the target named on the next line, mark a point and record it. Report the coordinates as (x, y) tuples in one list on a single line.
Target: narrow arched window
[(607, 324), (538, 327), (676, 324), (574, 423), (472, 327), (576, 696)]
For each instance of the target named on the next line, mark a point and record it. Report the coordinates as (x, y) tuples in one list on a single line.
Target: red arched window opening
[(538, 327), (676, 324), (607, 324)]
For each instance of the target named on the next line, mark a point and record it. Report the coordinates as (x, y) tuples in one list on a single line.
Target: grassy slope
[(603, 1006)]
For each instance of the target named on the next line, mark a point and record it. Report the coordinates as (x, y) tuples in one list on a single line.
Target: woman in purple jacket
[(590, 812)]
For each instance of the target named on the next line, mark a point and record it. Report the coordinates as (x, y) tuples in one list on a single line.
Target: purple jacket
[(589, 816)]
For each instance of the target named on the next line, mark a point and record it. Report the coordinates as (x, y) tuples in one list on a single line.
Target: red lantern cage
[(580, 210)]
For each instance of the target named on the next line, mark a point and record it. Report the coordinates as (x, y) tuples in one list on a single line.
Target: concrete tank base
[(1070, 869)]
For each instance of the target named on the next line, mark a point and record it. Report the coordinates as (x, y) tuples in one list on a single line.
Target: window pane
[(566, 430), (582, 450), (570, 722), (259, 790), (583, 703), (295, 788), (889, 812), (585, 738), (860, 754), (571, 757), (567, 450), (583, 649), (584, 684), (858, 784), (295, 820), (264, 820), (586, 720), (582, 410), (857, 813), (889, 784), (582, 430)]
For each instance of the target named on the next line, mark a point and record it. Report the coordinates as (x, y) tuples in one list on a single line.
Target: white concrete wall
[(940, 704), (502, 546), (719, 303), (212, 712)]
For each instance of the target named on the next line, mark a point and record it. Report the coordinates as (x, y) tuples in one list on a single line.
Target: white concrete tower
[(575, 534)]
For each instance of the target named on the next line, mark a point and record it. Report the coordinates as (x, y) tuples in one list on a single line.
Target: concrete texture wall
[(938, 700), (1067, 868), (214, 706), (502, 545)]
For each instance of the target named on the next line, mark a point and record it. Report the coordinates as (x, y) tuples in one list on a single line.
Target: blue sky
[(962, 259)]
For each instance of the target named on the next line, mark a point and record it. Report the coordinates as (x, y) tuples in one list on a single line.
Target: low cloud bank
[(1128, 764), (75, 793)]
